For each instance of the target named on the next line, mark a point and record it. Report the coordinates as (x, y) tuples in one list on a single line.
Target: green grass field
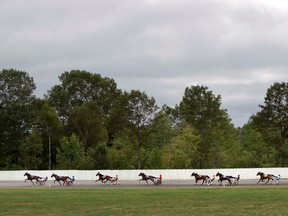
[(144, 201)]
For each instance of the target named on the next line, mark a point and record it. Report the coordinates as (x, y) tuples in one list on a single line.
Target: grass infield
[(144, 201)]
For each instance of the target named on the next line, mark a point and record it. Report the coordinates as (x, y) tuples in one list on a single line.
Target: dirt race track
[(141, 184)]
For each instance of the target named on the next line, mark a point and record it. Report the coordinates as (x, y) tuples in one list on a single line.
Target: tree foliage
[(16, 115), (31, 150), (86, 122), (272, 120), (70, 154), (201, 109)]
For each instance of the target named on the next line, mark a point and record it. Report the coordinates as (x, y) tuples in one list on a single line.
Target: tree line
[(87, 122)]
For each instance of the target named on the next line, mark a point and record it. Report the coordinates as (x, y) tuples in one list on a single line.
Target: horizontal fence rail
[(168, 174)]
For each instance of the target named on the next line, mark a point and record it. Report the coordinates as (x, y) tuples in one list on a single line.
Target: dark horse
[(200, 177), (64, 179), (103, 178), (263, 177), (146, 178), (223, 178), (37, 179)]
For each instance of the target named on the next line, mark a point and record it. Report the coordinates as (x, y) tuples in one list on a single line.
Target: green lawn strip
[(153, 201)]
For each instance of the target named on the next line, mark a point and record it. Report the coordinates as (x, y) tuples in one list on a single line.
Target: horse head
[(260, 173), (98, 174), (53, 175), (219, 174), (26, 174), (194, 174), (141, 174)]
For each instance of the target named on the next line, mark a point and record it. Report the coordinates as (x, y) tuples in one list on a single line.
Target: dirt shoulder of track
[(139, 184)]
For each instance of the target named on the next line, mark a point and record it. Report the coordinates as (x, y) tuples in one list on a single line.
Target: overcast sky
[(238, 48)]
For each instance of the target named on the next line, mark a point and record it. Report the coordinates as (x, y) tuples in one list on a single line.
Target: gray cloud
[(238, 48)]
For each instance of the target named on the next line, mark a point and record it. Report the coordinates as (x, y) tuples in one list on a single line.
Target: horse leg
[(259, 180), (229, 181), (32, 182), (203, 182), (267, 180)]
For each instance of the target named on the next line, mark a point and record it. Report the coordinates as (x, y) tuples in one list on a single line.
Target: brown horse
[(103, 178), (263, 177), (37, 179), (200, 177), (64, 179), (223, 178), (146, 178)]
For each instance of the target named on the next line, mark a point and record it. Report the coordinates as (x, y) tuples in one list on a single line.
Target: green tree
[(155, 158), (118, 121), (70, 154), (88, 123), (182, 152), (201, 109), (121, 154), (272, 120), (161, 131), (51, 129), (16, 116), (141, 113), (79, 87), (254, 151), (101, 156), (31, 151), (223, 144)]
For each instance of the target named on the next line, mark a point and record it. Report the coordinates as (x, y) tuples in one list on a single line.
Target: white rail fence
[(168, 174)]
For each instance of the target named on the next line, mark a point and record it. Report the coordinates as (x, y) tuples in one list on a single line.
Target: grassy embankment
[(147, 201)]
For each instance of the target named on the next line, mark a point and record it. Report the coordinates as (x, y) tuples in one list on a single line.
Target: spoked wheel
[(208, 182), (274, 182)]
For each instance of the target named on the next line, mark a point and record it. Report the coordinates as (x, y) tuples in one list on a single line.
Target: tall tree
[(31, 150), (272, 120), (142, 110), (254, 151), (161, 131), (88, 123), (51, 128), (121, 154), (202, 110), (182, 152), (16, 97), (78, 87), (70, 154)]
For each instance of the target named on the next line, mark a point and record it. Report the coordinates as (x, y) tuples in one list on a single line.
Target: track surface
[(141, 184)]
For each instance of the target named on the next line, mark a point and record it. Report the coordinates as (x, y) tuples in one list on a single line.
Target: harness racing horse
[(146, 178), (103, 178), (223, 178), (263, 177), (64, 179), (37, 179), (200, 177)]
